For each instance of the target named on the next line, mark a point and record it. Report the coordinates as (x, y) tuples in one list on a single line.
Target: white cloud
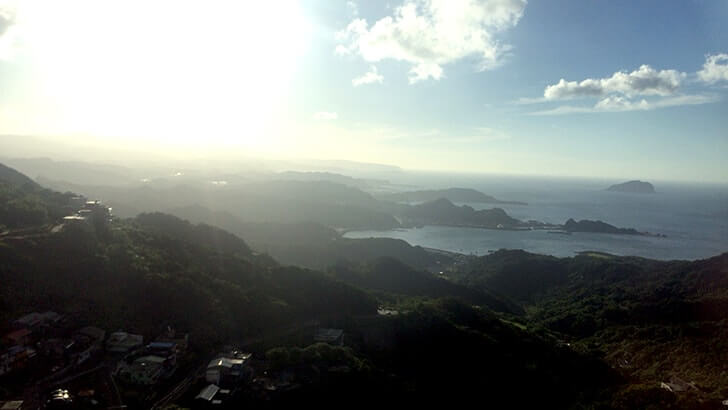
[(643, 89), (644, 81), (715, 69), (429, 34), (621, 104), (370, 77), (325, 116), (5, 21), (353, 8), (7, 39)]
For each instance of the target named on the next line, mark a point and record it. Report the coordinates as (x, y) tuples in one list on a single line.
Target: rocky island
[(638, 187), (586, 225), (598, 227)]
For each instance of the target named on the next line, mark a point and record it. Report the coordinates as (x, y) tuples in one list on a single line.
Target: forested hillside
[(654, 321), (23, 203)]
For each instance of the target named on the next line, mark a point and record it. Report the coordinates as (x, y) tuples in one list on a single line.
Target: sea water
[(693, 216)]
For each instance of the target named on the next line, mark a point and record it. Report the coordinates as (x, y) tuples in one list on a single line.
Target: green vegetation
[(448, 352), (23, 203), (597, 226), (509, 330), (444, 212), (152, 271), (650, 320), (312, 245), (319, 353), (394, 280)]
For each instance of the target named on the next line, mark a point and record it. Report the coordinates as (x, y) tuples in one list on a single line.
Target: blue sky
[(462, 85)]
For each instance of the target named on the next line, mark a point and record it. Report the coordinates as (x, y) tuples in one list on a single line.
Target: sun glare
[(167, 72)]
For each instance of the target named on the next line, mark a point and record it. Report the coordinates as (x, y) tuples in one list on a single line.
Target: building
[(88, 211), (330, 336), (20, 337), (678, 385), (95, 208), (122, 342), (208, 393), (170, 336), (74, 219), (146, 370), (16, 357), (12, 405), (28, 321), (35, 320), (94, 333), (168, 350), (59, 399), (84, 347), (212, 395), (223, 369)]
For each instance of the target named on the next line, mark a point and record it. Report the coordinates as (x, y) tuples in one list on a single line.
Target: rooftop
[(208, 393), (93, 332), (150, 359), (12, 405), (161, 345), (225, 362), (328, 335), (18, 334)]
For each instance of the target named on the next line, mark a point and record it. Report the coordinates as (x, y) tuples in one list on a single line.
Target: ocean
[(693, 216)]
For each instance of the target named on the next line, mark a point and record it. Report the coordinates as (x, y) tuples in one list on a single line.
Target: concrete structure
[(167, 350), (20, 337), (94, 333), (15, 358), (678, 385), (12, 405), (35, 320), (212, 395), (222, 369), (122, 342), (170, 336), (208, 393), (146, 370)]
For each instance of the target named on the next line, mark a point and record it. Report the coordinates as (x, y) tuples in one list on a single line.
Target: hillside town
[(51, 360)]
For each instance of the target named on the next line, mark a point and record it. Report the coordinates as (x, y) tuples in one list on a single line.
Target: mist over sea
[(693, 216)]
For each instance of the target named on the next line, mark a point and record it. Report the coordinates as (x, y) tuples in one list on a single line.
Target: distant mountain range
[(465, 195)]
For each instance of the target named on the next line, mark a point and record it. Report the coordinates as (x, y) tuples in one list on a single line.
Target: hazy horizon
[(496, 87), (40, 148)]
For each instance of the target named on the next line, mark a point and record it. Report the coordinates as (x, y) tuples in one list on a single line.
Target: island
[(586, 225), (444, 213), (598, 227), (451, 194), (636, 187)]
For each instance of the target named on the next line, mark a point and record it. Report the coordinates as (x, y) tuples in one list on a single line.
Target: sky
[(619, 89)]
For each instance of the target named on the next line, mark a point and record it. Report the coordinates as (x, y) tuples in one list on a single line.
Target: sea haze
[(694, 218)]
